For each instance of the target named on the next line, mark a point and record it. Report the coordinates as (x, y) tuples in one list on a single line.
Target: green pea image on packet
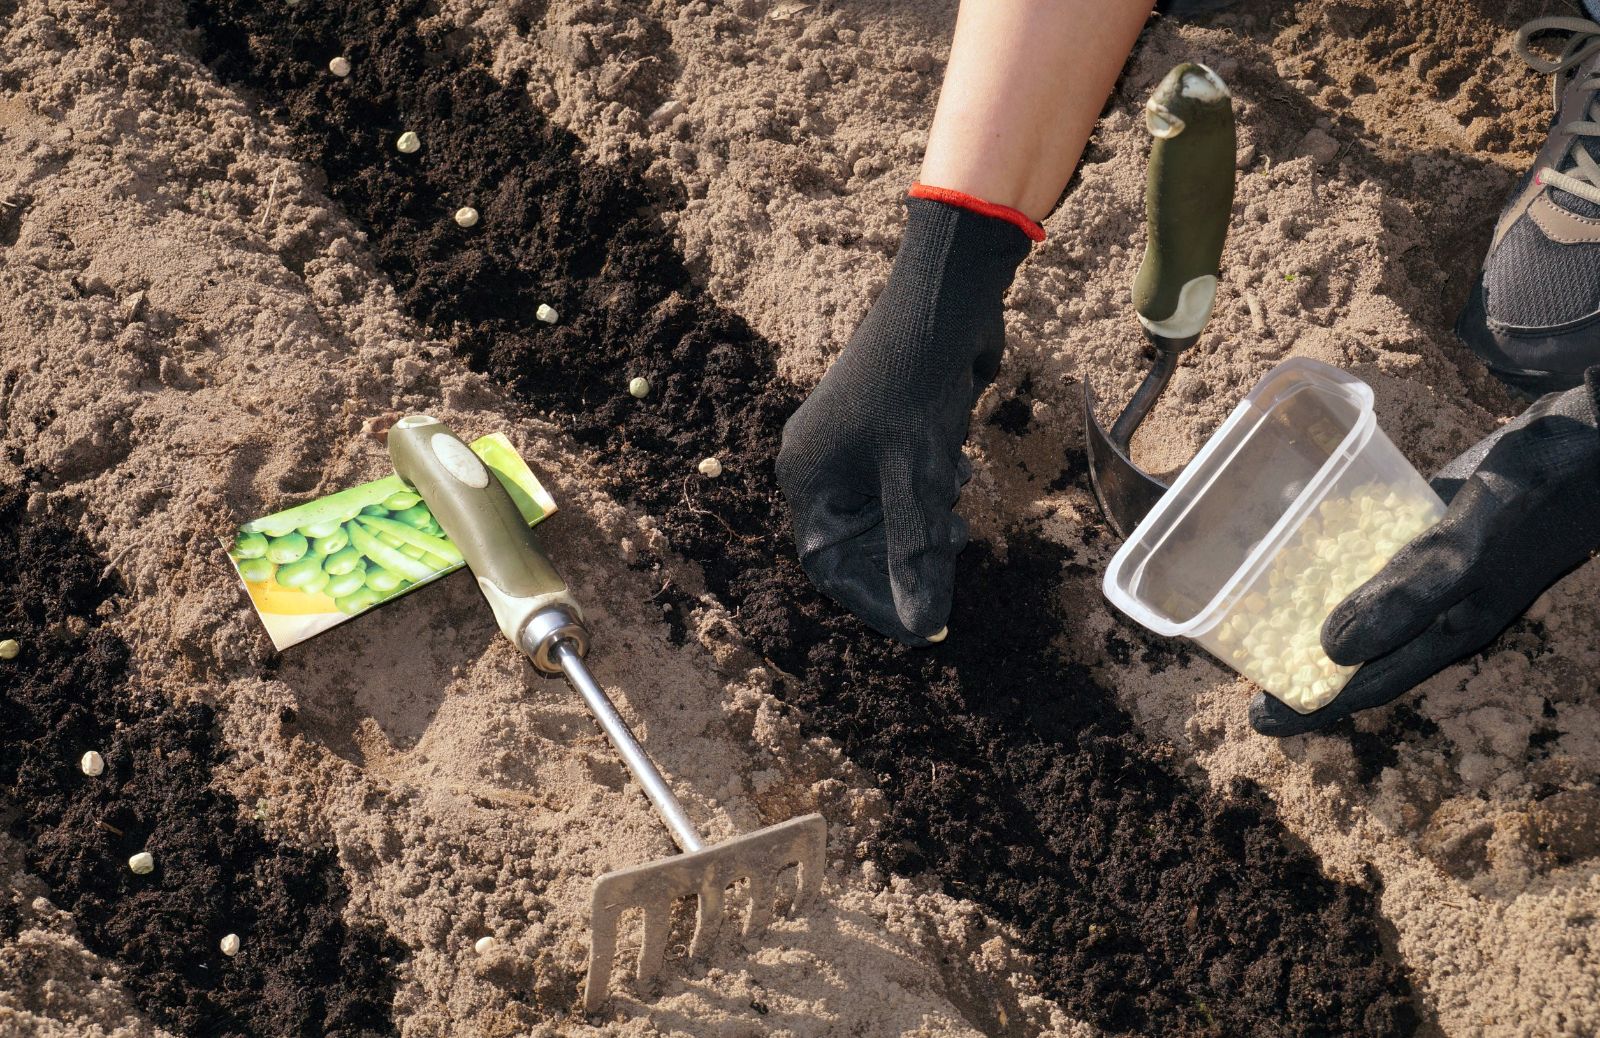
[(316, 565)]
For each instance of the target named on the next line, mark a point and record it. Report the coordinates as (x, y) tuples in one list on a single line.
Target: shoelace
[(1583, 42)]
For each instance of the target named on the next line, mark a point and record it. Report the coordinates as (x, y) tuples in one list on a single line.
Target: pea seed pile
[(1275, 638), (357, 547)]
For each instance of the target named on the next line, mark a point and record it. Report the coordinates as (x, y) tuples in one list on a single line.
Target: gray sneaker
[(1534, 315)]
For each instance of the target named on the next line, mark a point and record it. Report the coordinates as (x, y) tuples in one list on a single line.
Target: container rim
[(1314, 374)]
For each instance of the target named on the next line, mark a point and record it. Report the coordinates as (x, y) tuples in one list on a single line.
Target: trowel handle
[(478, 514), (1188, 199)]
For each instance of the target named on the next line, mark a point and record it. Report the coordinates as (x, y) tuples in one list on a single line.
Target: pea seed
[(710, 468), (291, 547), (408, 143), (229, 945), (639, 386), (381, 580), (92, 764), (466, 216), (9, 649), (345, 583), (249, 546), (547, 313), (257, 571), (483, 945), (142, 863), (400, 500), (331, 543), (343, 561), (340, 66)]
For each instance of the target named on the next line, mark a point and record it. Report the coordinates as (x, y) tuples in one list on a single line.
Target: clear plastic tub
[(1297, 500)]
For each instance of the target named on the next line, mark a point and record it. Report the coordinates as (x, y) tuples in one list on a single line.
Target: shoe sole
[(1495, 349)]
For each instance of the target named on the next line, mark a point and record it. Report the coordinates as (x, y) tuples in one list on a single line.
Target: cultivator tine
[(708, 921), (653, 887)]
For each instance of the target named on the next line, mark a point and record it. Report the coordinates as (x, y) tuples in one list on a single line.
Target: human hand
[(1524, 511), (871, 463)]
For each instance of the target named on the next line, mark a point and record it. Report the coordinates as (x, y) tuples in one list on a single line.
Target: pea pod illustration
[(312, 531), (435, 546), (334, 508), (291, 547), (386, 557)]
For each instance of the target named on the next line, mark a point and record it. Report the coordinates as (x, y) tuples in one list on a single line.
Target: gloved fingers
[(855, 573), (1463, 629), (924, 536), (1424, 580)]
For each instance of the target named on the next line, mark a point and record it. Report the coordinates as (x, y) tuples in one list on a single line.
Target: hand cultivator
[(1188, 199), (537, 612)]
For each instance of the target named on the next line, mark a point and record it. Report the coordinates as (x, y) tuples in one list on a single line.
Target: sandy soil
[(193, 334)]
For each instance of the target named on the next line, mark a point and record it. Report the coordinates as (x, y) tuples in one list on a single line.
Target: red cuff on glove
[(961, 200)]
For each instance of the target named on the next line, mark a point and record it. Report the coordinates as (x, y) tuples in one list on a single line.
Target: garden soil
[(220, 281)]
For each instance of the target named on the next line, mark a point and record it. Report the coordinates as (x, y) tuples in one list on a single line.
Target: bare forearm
[(1025, 84)]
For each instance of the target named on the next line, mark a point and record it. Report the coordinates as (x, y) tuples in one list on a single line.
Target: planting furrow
[(1151, 906), (300, 970)]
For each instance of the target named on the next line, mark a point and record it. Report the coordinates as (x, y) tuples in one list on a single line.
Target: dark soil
[(301, 971), (1152, 907)]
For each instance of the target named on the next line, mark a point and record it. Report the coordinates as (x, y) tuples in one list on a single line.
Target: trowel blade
[(1126, 493)]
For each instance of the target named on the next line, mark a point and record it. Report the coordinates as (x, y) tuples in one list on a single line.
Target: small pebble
[(340, 66), (230, 945), (547, 313), (408, 143), (466, 216), (92, 764), (9, 649), (639, 386), (142, 863), (711, 468), (483, 944)]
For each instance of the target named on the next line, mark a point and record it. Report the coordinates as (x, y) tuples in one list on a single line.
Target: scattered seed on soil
[(1011, 776), (142, 863), (483, 944), (466, 216), (547, 313), (340, 66), (408, 143), (711, 468), (92, 764), (77, 690), (940, 635), (9, 649), (230, 945), (639, 386)]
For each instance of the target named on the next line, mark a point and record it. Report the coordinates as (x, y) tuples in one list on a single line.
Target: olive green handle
[(478, 514), (1188, 199)]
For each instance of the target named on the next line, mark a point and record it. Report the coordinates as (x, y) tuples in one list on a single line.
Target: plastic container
[(1297, 500)]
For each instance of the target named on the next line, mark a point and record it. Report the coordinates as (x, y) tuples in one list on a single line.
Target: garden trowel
[(1188, 199), (538, 613)]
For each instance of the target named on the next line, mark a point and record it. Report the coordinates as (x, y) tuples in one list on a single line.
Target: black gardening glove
[(1524, 510), (871, 463)]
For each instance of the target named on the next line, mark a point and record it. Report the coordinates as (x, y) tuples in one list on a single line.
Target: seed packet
[(316, 565)]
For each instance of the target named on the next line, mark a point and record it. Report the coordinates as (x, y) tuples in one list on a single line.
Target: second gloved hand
[(1524, 510), (871, 463)]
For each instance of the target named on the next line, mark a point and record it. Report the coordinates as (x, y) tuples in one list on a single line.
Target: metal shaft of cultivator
[(633, 755)]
